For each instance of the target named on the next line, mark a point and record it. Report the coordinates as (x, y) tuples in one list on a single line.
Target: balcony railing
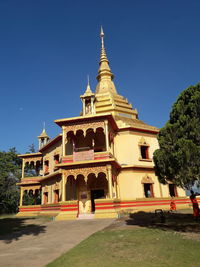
[(86, 155)]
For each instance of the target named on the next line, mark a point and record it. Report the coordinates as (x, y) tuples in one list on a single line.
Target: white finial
[(44, 125), (88, 79), (102, 37)]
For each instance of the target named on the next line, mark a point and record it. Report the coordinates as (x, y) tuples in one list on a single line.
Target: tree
[(10, 173), (31, 149), (178, 159)]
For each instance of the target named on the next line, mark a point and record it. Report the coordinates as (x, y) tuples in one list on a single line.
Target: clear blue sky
[(47, 48)]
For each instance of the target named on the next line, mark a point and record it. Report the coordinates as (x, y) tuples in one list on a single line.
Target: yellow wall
[(50, 184), (131, 187), (49, 153), (127, 149)]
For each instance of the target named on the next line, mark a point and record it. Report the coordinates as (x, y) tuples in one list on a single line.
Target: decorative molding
[(147, 180), (56, 152), (142, 142), (84, 126), (56, 186), (33, 159), (28, 188), (46, 189), (86, 171), (148, 160)]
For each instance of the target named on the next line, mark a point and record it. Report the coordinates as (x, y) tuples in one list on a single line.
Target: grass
[(138, 247), (143, 244)]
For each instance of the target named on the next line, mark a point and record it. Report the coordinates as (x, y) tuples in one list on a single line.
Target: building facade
[(100, 165)]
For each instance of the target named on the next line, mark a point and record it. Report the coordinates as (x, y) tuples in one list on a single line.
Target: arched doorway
[(98, 188), (83, 195), (71, 191)]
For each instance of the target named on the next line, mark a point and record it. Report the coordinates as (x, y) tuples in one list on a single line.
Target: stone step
[(86, 216)]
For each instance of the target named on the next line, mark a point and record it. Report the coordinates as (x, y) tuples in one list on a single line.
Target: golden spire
[(43, 134), (88, 89), (105, 76), (43, 138), (103, 51)]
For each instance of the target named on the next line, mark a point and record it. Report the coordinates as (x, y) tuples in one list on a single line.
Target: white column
[(42, 196), (21, 196), (92, 105), (63, 187), (23, 165), (106, 135), (50, 194), (161, 193), (63, 141), (43, 167), (83, 106), (109, 169), (39, 141), (117, 187)]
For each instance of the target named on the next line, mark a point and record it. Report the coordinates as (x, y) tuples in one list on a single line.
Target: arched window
[(148, 186), (172, 190), (144, 149), (46, 167), (45, 198)]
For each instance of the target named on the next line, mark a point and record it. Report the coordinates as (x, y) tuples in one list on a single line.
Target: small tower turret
[(88, 99), (43, 138)]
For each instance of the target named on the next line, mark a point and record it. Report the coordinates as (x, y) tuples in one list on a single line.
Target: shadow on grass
[(172, 221), (14, 228)]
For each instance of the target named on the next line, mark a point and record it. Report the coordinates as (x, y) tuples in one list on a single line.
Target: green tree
[(10, 173), (31, 149), (178, 158)]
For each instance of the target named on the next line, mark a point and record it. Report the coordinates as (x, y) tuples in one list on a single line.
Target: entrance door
[(84, 202), (96, 194)]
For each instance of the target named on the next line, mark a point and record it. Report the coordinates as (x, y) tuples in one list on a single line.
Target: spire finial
[(102, 37), (43, 137), (88, 89), (43, 134), (103, 56), (105, 75)]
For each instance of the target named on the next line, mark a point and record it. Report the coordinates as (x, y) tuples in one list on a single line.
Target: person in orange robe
[(172, 204), (195, 204)]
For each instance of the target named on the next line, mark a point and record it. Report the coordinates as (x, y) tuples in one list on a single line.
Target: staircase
[(85, 216)]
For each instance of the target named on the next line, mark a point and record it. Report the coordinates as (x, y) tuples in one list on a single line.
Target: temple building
[(100, 165)]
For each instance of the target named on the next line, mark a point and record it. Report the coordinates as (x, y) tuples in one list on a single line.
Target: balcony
[(86, 154)]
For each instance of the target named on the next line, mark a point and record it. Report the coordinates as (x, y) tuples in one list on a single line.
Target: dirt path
[(39, 246)]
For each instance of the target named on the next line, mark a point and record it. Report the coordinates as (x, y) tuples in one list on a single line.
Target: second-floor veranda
[(86, 139)]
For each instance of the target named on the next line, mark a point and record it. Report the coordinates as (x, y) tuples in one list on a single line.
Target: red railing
[(85, 156)]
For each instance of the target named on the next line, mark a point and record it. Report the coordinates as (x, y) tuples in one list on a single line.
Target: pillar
[(118, 193), (42, 196), (23, 167), (106, 135), (40, 144), (21, 196), (51, 200), (43, 167), (63, 141), (109, 170), (83, 106), (161, 194), (92, 105), (63, 188)]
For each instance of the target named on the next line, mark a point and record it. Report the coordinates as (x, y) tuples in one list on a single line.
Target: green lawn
[(137, 247), (146, 245)]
